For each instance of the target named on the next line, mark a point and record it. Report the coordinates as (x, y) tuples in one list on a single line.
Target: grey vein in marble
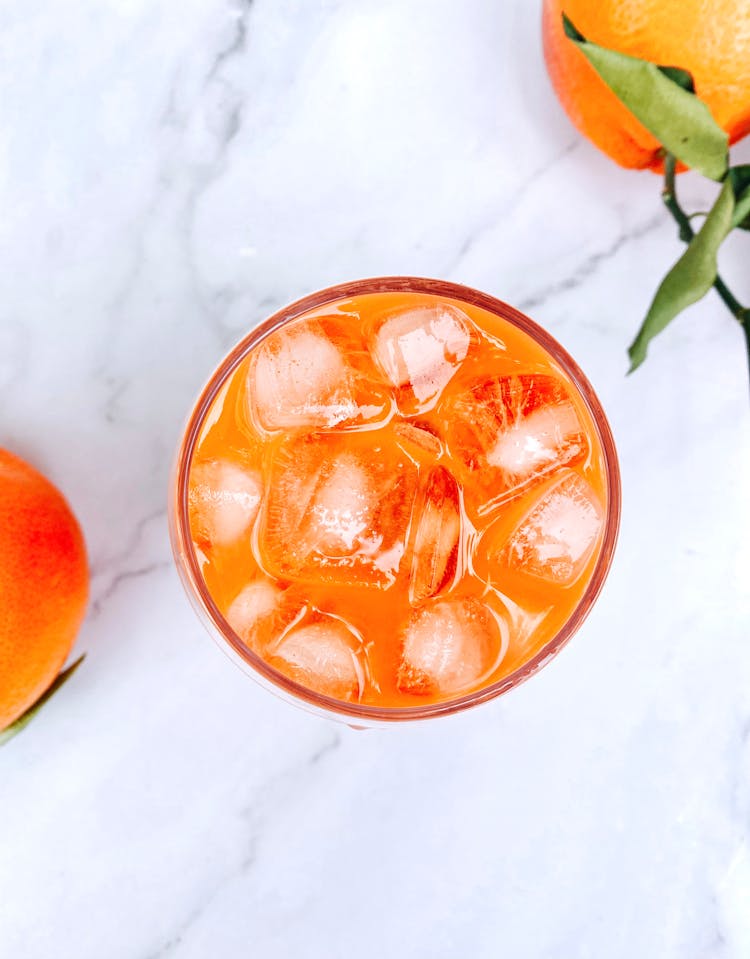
[(588, 268)]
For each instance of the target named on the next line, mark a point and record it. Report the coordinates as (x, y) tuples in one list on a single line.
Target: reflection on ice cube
[(324, 655), (534, 443), (420, 350), (559, 533), (437, 530), (223, 502), (418, 439), (338, 511), (299, 377), (510, 430), (342, 509), (449, 646), (257, 613)]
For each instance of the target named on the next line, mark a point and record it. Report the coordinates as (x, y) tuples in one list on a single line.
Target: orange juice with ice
[(397, 498)]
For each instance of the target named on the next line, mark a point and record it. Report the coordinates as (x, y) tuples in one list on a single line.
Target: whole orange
[(43, 585), (710, 38)]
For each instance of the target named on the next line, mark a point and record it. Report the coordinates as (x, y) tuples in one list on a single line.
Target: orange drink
[(395, 499)]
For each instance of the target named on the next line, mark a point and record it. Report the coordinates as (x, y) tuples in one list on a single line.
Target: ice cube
[(420, 350), (299, 377), (223, 501), (436, 537), (338, 512), (448, 647), (507, 432), (257, 613), (343, 507), (325, 655), (559, 533)]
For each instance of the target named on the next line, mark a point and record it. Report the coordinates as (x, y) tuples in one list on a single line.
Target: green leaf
[(662, 98), (742, 215), (571, 31), (683, 78), (690, 278), (740, 179), (24, 720)]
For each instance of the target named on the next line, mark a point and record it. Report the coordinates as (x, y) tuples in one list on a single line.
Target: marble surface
[(170, 174)]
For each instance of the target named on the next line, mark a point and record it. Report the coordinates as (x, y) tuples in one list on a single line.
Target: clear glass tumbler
[(187, 562)]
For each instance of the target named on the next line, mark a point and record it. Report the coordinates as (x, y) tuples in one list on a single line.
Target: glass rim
[(189, 567)]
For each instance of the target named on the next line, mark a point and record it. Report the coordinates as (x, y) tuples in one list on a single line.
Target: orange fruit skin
[(710, 38), (44, 584)]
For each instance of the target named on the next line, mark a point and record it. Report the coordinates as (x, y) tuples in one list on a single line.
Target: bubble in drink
[(449, 646), (298, 377), (508, 431), (338, 511), (224, 499), (257, 613), (420, 350), (324, 655), (558, 535), (437, 526)]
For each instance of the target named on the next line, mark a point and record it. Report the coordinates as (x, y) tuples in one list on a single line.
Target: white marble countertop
[(171, 173)]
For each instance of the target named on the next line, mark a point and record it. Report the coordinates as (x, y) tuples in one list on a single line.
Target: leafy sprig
[(664, 100)]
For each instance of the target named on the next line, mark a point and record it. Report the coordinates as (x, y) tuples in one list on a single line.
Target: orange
[(710, 38), (43, 585)]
